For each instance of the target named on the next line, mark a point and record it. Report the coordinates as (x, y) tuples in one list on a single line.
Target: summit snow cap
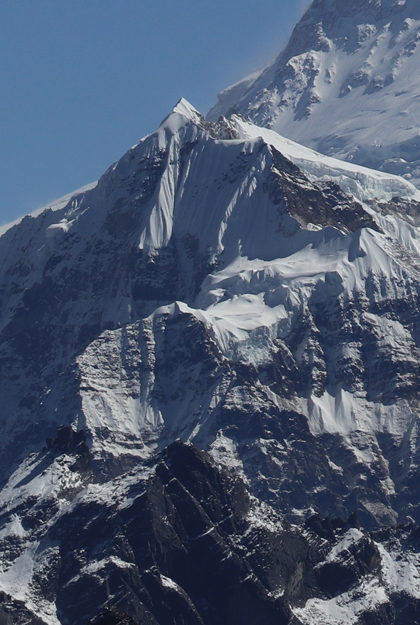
[(185, 108)]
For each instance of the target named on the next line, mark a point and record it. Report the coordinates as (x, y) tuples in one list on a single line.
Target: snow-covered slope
[(346, 85), (224, 285)]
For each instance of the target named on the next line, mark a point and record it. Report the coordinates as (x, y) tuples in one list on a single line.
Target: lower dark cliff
[(180, 541)]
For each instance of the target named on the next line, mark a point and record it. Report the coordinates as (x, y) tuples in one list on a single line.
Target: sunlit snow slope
[(227, 286), (347, 85)]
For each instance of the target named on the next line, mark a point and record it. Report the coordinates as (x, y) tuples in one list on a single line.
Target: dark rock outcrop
[(180, 541)]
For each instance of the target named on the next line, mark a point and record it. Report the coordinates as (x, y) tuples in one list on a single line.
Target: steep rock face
[(112, 616), (180, 540), (346, 84)]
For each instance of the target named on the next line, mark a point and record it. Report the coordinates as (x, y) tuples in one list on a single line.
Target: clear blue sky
[(83, 80)]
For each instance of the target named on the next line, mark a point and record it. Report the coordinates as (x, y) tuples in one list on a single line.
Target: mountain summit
[(224, 285), (346, 85), (217, 341), (209, 358)]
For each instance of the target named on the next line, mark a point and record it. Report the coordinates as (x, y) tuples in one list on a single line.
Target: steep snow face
[(346, 85), (227, 286)]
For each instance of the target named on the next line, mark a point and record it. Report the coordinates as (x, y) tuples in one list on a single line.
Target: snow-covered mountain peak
[(209, 274), (182, 112), (346, 85), (184, 117), (225, 287), (185, 108)]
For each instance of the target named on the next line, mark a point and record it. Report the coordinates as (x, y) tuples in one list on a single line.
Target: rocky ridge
[(180, 540)]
